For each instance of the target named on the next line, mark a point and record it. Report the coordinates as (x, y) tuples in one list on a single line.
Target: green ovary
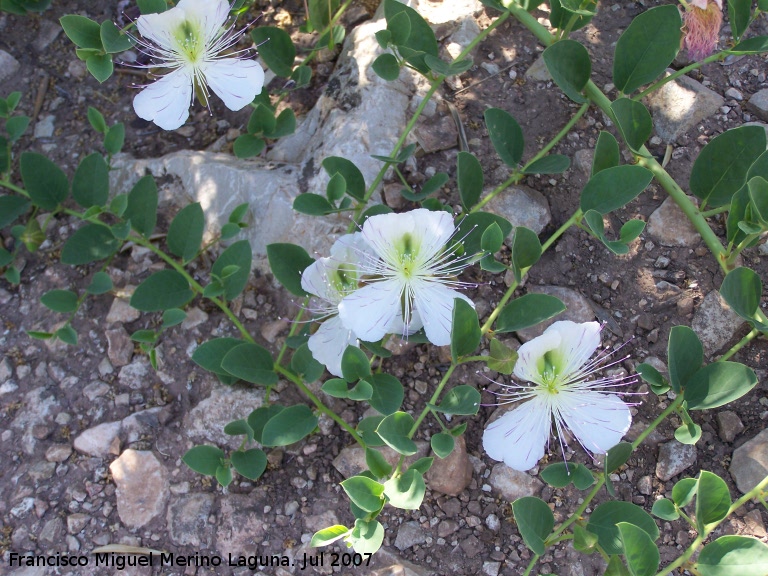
[(549, 371), (189, 41)]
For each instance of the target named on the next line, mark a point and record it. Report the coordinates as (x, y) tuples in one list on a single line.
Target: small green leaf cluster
[(264, 123), (96, 43)]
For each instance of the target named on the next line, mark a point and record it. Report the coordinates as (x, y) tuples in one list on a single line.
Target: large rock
[(188, 520), (758, 103), (749, 464), (671, 227), (142, 487), (577, 309), (241, 524), (8, 66), (206, 421), (512, 484), (453, 474), (351, 460), (674, 457), (98, 440), (715, 323), (680, 105), (522, 206), (38, 408)]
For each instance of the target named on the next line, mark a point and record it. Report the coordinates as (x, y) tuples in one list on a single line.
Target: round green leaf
[(406, 491), (569, 65), (304, 364), (100, 283), (742, 290), (684, 491), (365, 493), (534, 520), (114, 138), (612, 188), (355, 364), (11, 207), (733, 556), (646, 48), (387, 67), (688, 433), (462, 400), (421, 39), (164, 289), (90, 185), (45, 182), (248, 146), (442, 444), (560, 15), (366, 537), (67, 335), (388, 393), (186, 232), (336, 387), (224, 475), (665, 509), (606, 153), (275, 48), (740, 15), (84, 32), (527, 311), (210, 354), (100, 66), (259, 418), (617, 456), (287, 262), (361, 391), (142, 206), (328, 535), (465, 332), (288, 426), (641, 552), (712, 501), (367, 430), (469, 176), (719, 383), (551, 164), (394, 430), (90, 243), (252, 363), (352, 175), (250, 463), (204, 459), (63, 301), (526, 251), (605, 517), (685, 354), (377, 464), (633, 119), (113, 39), (506, 135)]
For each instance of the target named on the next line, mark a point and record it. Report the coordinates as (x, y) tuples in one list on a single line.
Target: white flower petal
[(398, 327), (314, 280), (371, 311), (519, 438), (577, 344), (235, 81), (528, 367), (159, 27), (434, 303), (329, 342), (166, 102), (597, 419), (210, 14)]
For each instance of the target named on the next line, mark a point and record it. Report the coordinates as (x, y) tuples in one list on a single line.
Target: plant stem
[(659, 83), (531, 564), (659, 419), (433, 400), (739, 345), (715, 211), (7, 184), (580, 510)]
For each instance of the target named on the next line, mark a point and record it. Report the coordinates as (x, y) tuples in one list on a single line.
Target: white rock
[(44, 127), (715, 323), (136, 374), (206, 421), (39, 407), (671, 227), (512, 484), (121, 311), (522, 206), (97, 441), (8, 65), (674, 458), (351, 460), (749, 464), (188, 520), (142, 487)]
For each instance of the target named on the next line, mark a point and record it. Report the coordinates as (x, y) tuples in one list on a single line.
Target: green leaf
[(229, 230), (289, 426), (684, 491), (430, 187), (15, 127), (67, 335), (422, 465), (164, 289), (387, 395), (527, 311), (421, 39), (144, 336), (629, 232), (469, 176), (639, 549), (575, 7), (250, 362), (492, 239), (685, 355), (633, 118), (462, 400), (90, 185), (84, 32), (616, 567), (612, 188), (534, 520), (304, 364), (365, 493), (560, 17), (367, 430), (605, 517), (361, 391), (259, 418), (756, 45), (287, 262), (733, 556), (100, 66), (224, 475), (63, 301), (712, 502), (721, 167), (186, 232), (387, 67), (152, 6), (336, 188), (336, 387), (501, 359), (90, 243), (645, 49), (142, 206), (114, 138), (739, 14), (506, 135), (718, 384), (11, 207), (250, 463), (617, 456), (275, 48), (351, 173), (45, 182), (560, 474), (366, 537), (239, 428), (465, 332), (526, 251), (582, 477), (583, 540), (5, 157), (406, 491), (313, 204), (101, 283), (442, 444), (472, 226), (204, 459), (173, 317), (301, 75), (238, 254), (742, 290), (113, 39), (377, 463), (570, 67), (394, 430), (96, 120), (758, 194), (328, 535), (248, 146), (688, 433), (665, 509), (552, 164), (606, 153)]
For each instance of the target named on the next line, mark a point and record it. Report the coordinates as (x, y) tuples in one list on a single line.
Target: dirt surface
[(55, 387)]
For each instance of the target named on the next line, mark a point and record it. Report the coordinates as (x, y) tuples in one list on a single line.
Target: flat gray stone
[(8, 66), (138, 424), (44, 127), (97, 441), (40, 408), (437, 133), (206, 421), (674, 458), (749, 464), (58, 452), (351, 460), (142, 487), (240, 525), (680, 105), (119, 346), (453, 474), (121, 311), (410, 534), (729, 425), (715, 323), (578, 309), (188, 520), (136, 375), (538, 71), (670, 227), (758, 104), (512, 484), (522, 206)]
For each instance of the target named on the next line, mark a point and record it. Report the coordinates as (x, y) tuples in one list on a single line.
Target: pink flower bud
[(702, 27)]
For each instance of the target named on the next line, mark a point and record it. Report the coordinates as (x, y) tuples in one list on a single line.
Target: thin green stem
[(433, 400), (715, 211), (580, 510), (659, 83), (740, 344), (531, 564), (318, 403), (659, 419), (518, 174), (294, 327), (7, 184)]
